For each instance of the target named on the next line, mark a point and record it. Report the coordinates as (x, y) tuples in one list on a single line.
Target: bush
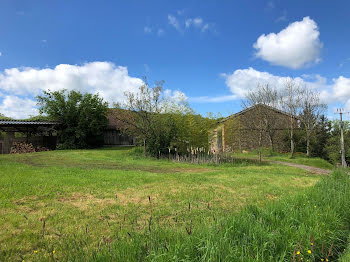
[(82, 117)]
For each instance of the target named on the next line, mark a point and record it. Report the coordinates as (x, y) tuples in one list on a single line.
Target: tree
[(161, 122), (263, 98), (322, 134), (333, 148), (311, 111), (3, 117), (82, 117), (137, 115), (290, 101)]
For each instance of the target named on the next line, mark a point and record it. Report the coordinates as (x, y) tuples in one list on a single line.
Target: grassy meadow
[(299, 158), (111, 205)]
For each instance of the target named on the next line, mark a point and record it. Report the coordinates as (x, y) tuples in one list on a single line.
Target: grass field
[(67, 205), (299, 158)]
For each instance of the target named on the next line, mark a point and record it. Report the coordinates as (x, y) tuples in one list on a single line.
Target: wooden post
[(343, 161)]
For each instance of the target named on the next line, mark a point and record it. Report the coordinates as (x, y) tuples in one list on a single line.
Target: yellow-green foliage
[(192, 131), (232, 132)]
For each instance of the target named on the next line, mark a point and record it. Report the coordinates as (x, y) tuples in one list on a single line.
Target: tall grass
[(308, 227)]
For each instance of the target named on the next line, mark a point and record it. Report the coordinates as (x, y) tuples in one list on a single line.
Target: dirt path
[(311, 169)]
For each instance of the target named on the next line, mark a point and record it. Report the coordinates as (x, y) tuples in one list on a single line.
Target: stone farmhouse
[(242, 131)]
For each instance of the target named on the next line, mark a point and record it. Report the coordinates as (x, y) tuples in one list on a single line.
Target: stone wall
[(242, 131)]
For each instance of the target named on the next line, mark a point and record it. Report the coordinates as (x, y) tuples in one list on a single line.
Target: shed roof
[(254, 106), (27, 123)]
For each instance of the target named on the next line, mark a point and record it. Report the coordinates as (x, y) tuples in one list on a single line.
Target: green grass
[(346, 256), (299, 158), (81, 203)]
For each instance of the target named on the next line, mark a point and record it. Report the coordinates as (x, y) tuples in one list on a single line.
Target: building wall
[(115, 137), (242, 132)]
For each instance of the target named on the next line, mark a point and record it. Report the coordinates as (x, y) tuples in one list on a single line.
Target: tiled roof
[(24, 122), (252, 107)]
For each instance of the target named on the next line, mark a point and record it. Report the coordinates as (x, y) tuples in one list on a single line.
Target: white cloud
[(270, 5), (197, 22), (337, 91), (0, 54), (181, 24), (243, 80), (105, 78), (175, 95), (213, 99), (341, 88), (174, 22), (282, 18), (344, 62), (147, 29), (205, 27), (180, 12), (19, 86), (295, 46), (16, 107), (160, 32)]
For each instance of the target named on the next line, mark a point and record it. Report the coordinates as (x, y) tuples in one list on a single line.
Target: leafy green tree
[(333, 143), (83, 117), (3, 117), (321, 135), (138, 114), (159, 122)]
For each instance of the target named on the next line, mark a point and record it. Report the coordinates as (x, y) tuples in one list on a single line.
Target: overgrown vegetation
[(80, 203), (82, 117), (161, 123), (2, 117)]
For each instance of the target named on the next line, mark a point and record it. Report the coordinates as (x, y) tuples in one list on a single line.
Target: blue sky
[(210, 51)]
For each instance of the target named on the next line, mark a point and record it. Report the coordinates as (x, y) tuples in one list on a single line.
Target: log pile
[(21, 148)]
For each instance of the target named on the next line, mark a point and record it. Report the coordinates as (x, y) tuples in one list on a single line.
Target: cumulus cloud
[(213, 99), (243, 80), (239, 82), (19, 86), (16, 107), (105, 78), (109, 80), (295, 46), (341, 88)]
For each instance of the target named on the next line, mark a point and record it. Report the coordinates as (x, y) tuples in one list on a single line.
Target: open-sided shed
[(39, 133)]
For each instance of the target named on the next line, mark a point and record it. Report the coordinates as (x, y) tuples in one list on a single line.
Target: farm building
[(112, 135), (42, 134), (37, 133), (242, 131)]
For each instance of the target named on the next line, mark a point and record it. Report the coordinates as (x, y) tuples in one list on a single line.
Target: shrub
[(82, 117)]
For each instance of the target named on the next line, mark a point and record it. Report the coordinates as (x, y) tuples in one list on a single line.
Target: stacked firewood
[(41, 149), (21, 147)]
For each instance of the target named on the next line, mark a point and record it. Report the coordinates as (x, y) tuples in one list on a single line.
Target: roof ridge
[(253, 106)]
